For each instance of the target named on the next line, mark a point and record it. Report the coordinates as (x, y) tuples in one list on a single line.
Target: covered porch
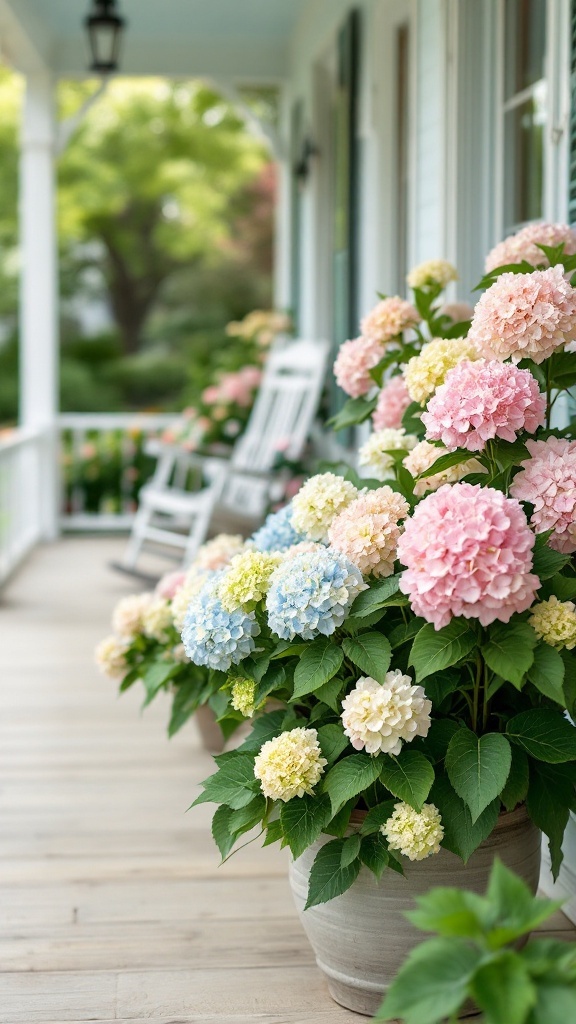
[(113, 904)]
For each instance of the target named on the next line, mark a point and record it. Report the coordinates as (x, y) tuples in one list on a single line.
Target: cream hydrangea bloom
[(373, 455), (242, 698), (432, 272), (110, 656), (426, 372), (128, 615), (157, 619), (379, 717), (555, 622), (247, 579), (317, 503), (416, 834), (425, 455), (290, 765), (182, 598)]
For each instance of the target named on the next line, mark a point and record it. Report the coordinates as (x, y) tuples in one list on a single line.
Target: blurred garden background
[(165, 209)]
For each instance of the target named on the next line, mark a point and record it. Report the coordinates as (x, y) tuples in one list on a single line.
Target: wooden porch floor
[(112, 905)]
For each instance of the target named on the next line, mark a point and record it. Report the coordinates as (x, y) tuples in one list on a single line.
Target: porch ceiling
[(245, 40)]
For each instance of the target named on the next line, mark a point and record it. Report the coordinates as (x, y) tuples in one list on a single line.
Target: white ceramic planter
[(362, 937)]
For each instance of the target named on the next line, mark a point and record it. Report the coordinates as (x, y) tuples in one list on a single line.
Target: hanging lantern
[(105, 27)]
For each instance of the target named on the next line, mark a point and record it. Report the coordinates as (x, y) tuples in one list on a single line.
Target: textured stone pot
[(361, 938), (210, 732)]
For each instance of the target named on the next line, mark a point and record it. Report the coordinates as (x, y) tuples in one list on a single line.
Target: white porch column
[(39, 289)]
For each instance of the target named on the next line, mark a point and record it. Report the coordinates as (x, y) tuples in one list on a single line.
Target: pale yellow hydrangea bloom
[(432, 272), (555, 622), (427, 371), (380, 717), (416, 834), (290, 765), (247, 579), (110, 656), (157, 619), (243, 694), (373, 455), (128, 615), (425, 455), (318, 501)]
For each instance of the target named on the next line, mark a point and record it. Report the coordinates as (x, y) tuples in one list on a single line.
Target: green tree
[(147, 188)]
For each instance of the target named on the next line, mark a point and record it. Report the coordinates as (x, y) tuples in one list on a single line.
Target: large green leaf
[(432, 983), (233, 784), (374, 853), (449, 913), (349, 777), (509, 650), (544, 734), (221, 831), (320, 661), (547, 673), (516, 787), (328, 878), (333, 741), (303, 819), (549, 801), (503, 989), (376, 817), (434, 650), (377, 596), (547, 562), (461, 835), (408, 776), (157, 676), (555, 1004), (478, 767), (370, 652), (354, 411), (445, 462)]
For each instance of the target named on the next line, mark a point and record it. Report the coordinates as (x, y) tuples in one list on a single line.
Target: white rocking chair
[(281, 421)]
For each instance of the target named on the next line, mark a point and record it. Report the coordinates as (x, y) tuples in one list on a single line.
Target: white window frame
[(557, 65)]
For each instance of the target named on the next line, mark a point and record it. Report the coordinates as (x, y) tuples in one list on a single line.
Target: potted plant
[(420, 632), (483, 959)]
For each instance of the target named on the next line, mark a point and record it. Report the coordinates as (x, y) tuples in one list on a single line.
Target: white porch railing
[(102, 465), (22, 456)]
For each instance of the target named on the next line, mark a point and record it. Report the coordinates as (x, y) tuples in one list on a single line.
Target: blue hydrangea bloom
[(277, 533), (312, 593), (214, 637)]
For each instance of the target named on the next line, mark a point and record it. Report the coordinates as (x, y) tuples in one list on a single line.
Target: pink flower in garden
[(204, 424), (524, 245), (481, 400), (169, 584), (525, 316), (468, 550), (393, 401), (388, 319), (251, 375), (353, 363), (211, 395), (190, 413), (548, 481), (367, 530)]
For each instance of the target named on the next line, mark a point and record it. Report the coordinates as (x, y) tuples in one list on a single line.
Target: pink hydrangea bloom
[(524, 245), (481, 400), (525, 316), (169, 584), (393, 401), (457, 311), (388, 319), (353, 363), (548, 481), (468, 550), (367, 531)]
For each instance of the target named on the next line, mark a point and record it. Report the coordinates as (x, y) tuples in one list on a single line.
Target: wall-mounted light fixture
[(303, 163), (105, 27)]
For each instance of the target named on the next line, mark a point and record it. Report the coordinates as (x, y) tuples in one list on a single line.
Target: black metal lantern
[(105, 27)]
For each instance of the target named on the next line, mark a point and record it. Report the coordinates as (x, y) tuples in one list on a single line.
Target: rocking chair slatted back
[(279, 423)]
